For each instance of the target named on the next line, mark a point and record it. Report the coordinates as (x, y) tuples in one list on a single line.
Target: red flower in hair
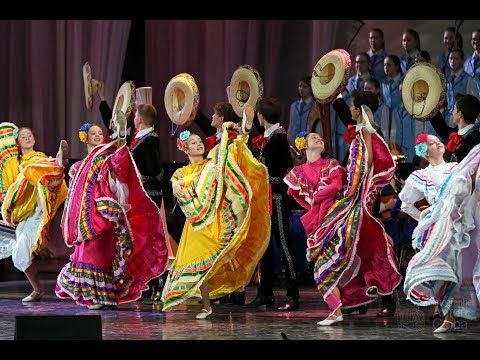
[(181, 144), (421, 138)]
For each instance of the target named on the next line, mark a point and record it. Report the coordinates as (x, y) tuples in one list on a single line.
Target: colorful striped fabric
[(117, 230), (228, 224), (8, 157), (447, 270), (422, 182), (295, 180), (337, 248), (40, 179)]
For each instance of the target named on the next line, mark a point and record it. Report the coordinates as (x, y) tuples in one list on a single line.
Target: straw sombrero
[(246, 86), (125, 100), (424, 90), (330, 75), (144, 96), (182, 99), (90, 85)]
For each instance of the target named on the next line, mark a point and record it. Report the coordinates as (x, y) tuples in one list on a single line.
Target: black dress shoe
[(236, 298), (260, 300), (290, 305), (387, 311), (362, 309)]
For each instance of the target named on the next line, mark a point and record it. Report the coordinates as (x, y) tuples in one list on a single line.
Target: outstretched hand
[(101, 90)]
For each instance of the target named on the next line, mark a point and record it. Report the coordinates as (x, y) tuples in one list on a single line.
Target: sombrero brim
[(245, 76), (323, 90), (437, 86), (125, 99), (87, 86), (182, 99)]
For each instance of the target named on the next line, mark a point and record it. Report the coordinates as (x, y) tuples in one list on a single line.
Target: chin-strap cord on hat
[(173, 117), (423, 108)]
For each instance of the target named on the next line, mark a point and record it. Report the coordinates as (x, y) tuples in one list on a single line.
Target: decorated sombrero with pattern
[(424, 90), (182, 99), (330, 75), (246, 87)]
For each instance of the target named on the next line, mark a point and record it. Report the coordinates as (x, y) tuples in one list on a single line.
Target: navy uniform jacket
[(469, 139)]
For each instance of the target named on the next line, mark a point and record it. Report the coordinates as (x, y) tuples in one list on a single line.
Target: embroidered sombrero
[(246, 86), (182, 99), (125, 100), (330, 75), (144, 96), (90, 85), (424, 90)]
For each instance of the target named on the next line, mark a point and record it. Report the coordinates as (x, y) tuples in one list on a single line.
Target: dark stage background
[(42, 63)]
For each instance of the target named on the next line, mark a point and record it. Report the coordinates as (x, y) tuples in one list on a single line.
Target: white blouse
[(424, 183)]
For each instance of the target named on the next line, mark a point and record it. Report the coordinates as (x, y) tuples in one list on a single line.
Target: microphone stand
[(458, 23), (356, 33)]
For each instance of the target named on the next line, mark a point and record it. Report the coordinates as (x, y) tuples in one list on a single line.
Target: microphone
[(361, 22)]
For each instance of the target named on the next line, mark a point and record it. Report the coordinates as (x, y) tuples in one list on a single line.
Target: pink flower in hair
[(421, 138), (181, 144), (182, 140)]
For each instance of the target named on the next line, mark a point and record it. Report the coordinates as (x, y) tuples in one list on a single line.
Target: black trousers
[(154, 284), (279, 234)]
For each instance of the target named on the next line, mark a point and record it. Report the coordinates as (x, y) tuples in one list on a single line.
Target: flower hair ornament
[(83, 132), (300, 140), (182, 140), (421, 146)]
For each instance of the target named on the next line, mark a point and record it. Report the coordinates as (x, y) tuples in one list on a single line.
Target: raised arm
[(343, 111), (439, 125)]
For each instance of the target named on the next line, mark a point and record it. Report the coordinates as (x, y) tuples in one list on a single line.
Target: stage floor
[(144, 320)]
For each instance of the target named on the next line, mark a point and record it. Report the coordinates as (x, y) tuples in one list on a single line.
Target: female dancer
[(425, 183), (33, 188), (354, 258), (447, 270), (228, 222), (316, 183), (117, 252)]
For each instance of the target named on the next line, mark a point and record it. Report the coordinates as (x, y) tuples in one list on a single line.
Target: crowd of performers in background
[(388, 201)]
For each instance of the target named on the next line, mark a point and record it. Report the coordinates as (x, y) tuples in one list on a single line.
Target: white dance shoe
[(327, 321), (204, 313), (34, 296)]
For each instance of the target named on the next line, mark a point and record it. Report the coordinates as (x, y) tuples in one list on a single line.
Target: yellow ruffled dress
[(228, 223), (33, 186)]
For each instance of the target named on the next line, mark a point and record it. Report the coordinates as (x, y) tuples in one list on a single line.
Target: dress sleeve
[(410, 194), (335, 180), (299, 198), (189, 178), (298, 187)]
